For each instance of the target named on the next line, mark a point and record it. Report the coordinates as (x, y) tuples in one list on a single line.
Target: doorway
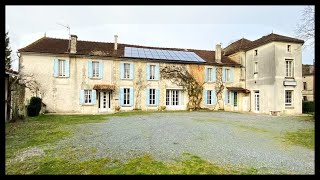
[(104, 101), (235, 101)]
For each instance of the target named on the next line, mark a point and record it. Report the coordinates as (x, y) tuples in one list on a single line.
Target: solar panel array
[(161, 54)]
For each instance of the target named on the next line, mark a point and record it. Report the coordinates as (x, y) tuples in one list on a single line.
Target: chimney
[(115, 42), (218, 53), (73, 44)]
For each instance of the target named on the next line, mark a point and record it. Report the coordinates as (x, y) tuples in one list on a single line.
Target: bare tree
[(140, 85), (305, 29)]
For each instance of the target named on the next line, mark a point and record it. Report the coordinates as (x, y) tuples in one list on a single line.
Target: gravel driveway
[(225, 138)]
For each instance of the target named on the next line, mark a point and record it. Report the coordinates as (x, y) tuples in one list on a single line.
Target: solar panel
[(162, 54)]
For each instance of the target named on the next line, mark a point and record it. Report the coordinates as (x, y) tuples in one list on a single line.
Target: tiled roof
[(238, 89), (104, 87), (245, 45), (307, 69), (60, 46)]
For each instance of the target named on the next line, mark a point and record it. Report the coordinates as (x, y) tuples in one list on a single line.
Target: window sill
[(126, 106), (126, 79), (152, 105), (255, 73), (289, 77), (152, 79), (289, 107), (95, 78), (210, 82), (87, 104), (62, 77)]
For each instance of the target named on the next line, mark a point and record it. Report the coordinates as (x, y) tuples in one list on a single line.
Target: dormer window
[(256, 52), (288, 48)]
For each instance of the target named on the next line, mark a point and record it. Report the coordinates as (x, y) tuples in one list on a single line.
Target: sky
[(190, 27)]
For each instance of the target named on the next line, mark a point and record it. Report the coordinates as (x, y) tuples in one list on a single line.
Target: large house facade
[(308, 82), (262, 76)]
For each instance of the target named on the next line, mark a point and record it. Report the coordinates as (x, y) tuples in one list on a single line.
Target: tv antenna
[(68, 27)]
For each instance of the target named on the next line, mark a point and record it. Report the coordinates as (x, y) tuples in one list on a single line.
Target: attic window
[(288, 48), (256, 52)]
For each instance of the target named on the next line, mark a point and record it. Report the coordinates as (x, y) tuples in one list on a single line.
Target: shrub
[(307, 106), (34, 107)]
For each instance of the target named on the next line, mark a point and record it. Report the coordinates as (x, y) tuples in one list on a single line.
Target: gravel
[(225, 138)]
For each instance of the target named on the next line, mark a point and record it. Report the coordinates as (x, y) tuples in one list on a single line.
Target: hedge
[(34, 107), (307, 106)]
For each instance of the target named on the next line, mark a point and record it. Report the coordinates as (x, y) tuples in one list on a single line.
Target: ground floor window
[(152, 96), (126, 96), (87, 96), (305, 98), (173, 97), (209, 97), (235, 99), (256, 101), (288, 98)]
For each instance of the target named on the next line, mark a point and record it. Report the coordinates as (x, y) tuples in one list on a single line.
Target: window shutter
[(121, 96), (89, 69), (131, 96), (231, 75), (213, 97), (213, 74), (207, 77), (131, 70), (101, 70), (226, 96), (157, 72), (94, 96), (81, 96), (148, 96), (56, 68), (232, 97), (67, 69), (157, 97), (223, 74), (205, 95), (121, 70), (148, 71)]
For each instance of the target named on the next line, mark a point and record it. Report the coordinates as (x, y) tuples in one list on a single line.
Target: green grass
[(302, 137)]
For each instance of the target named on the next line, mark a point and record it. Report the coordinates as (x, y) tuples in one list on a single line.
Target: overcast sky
[(194, 27)]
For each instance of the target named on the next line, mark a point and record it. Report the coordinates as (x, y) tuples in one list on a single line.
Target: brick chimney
[(115, 42), (218, 53), (73, 44)]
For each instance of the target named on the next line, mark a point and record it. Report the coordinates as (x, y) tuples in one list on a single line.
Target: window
[(126, 98), (87, 96), (229, 97), (209, 97), (126, 70), (288, 48), (304, 85), (173, 97), (95, 69), (152, 96), (152, 71), (227, 74), (305, 98), (210, 74), (288, 98), (256, 52), (255, 67), (62, 68), (289, 68)]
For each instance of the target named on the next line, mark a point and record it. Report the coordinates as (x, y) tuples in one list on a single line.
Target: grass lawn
[(302, 137)]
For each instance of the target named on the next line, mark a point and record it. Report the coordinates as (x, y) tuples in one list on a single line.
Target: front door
[(235, 101), (256, 101), (104, 99)]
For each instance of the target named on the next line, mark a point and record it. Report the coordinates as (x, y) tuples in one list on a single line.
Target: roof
[(238, 89), (60, 46), (244, 44), (104, 87), (307, 69)]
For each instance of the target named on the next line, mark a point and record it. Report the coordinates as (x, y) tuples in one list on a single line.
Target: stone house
[(308, 82), (96, 77)]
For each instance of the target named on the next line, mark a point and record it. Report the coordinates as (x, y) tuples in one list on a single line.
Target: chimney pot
[(115, 42), (73, 44)]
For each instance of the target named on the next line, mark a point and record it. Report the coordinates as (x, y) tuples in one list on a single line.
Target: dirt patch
[(30, 152)]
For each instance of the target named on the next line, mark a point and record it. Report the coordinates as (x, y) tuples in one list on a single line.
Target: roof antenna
[(68, 27), (45, 34)]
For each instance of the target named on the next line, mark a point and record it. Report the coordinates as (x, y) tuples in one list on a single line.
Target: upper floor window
[(227, 75), (209, 74), (304, 85), (256, 52), (255, 67), (289, 68), (62, 68), (126, 70), (95, 69), (288, 48), (152, 71)]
